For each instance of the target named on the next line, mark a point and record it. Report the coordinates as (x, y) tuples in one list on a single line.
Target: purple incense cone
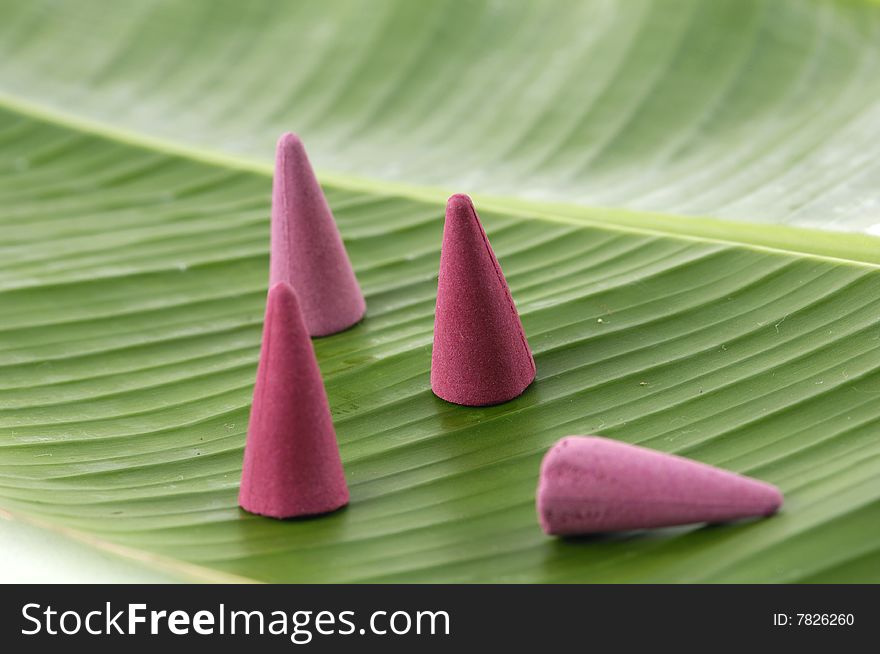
[(480, 354), (590, 484), (291, 461), (307, 250)]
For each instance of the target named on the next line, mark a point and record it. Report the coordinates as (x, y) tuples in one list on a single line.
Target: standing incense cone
[(291, 460), (307, 250), (590, 484), (480, 355)]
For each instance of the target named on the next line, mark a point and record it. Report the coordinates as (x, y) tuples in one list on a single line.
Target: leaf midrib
[(844, 248)]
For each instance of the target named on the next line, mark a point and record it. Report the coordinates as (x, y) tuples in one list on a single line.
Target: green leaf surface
[(135, 143)]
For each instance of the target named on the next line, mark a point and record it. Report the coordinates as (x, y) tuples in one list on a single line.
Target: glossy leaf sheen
[(762, 110), (134, 220)]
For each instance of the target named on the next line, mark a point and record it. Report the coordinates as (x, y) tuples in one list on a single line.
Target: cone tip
[(460, 209), (458, 202), (281, 287), (774, 499), (289, 143), (282, 294), (276, 287)]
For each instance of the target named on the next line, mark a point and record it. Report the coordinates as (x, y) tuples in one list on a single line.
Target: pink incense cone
[(307, 250), (291, 460), (590, 484), (480, 355)]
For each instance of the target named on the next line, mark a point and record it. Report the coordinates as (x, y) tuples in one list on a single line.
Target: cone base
[(330, 329), (455, 395), (310, 512)]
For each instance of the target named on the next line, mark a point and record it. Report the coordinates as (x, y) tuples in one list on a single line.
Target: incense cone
[(480, 354), (590, 484), (307, 250), (291, 459)]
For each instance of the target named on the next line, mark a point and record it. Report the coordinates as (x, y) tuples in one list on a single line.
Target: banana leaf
[(682, 194)]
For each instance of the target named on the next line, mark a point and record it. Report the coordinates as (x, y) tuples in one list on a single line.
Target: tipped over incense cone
[(291, 460), (590, 484), (481, 355), (307, 250)]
